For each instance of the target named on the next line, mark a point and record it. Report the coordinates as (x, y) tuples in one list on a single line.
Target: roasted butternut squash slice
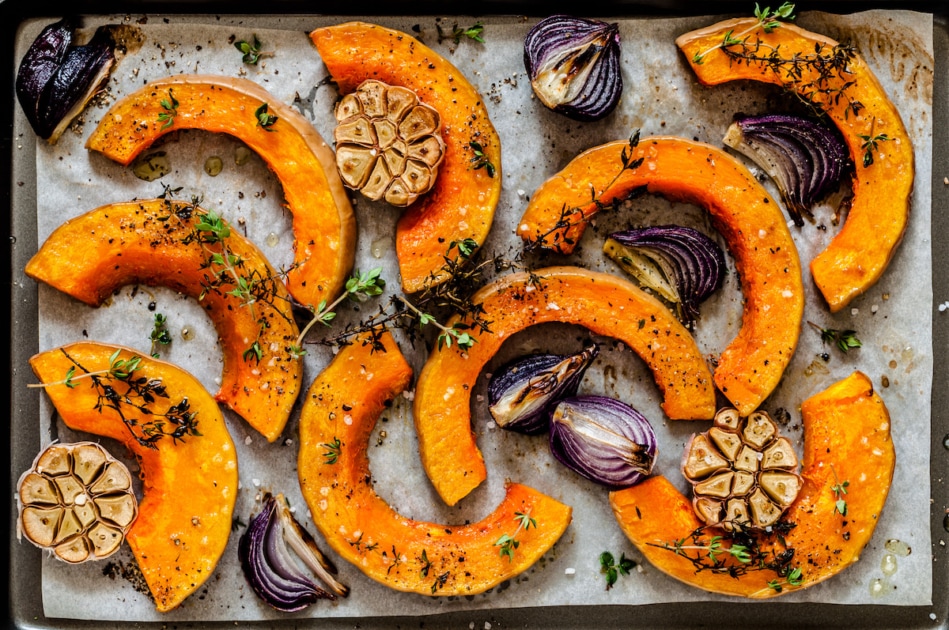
[(157, 242), (856, 102), (461, 205), (338, 415), (846, 439), (604, 303), (741, 210), (189, 482), (324, 227)]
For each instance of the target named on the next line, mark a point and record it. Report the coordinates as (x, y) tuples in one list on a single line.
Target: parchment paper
[(661, 97)]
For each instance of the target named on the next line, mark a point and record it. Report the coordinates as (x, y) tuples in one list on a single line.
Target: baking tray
[(23, 604)]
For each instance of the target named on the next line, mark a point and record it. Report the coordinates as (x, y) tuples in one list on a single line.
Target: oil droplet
[(945, 441), (213, 166), (898, 547), (876, 587), (152, 166), (187, 334), (241, 156), (379, 247), (888, 564), (272, 239), (885, 381), (892, 363)]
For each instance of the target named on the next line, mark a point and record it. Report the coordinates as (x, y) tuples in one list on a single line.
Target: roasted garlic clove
[(743, 474), (388, 143), (77, 501)]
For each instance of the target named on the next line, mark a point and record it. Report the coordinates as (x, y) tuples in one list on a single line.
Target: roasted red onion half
[(805, 159), (603, 439), (55, 79), (680, 264), (574, 66), (522, 393), (270, 567)]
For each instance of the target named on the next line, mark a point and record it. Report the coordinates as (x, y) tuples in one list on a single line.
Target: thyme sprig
[(840, 490), (333, 451), (568, 215), (479, 160), (264, 118), (767, 19), (736, 553), (473, 32), (170, 105), (508, 543), (359, 288), (160, 334), (844, 340), (870, 145), (794, 577), (613, 569), (139, 395), (251, 53)]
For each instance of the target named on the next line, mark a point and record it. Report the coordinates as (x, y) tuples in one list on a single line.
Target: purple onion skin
[(698, 260), (514, 374), (602, 90), (815, 158), (282, 587), (605, 465)]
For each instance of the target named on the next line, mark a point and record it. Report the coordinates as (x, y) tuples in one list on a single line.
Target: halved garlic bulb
[(388, 143), (77, 501), (743, 474)]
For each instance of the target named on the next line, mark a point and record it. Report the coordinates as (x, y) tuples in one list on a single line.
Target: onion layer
[(271, 569), (522, 393), (603, 439), (805, 159), (574, 67), (680, 264)]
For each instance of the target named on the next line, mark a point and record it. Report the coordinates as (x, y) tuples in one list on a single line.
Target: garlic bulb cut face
[(743, 474), (388, 143), (77, 501)]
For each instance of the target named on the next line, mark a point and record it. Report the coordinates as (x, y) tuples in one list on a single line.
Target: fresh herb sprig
[(508, 543), (250, 51), (359, 288), (479, 159), (869, 145), (613, 569), (840, 491), (170, 105), (264, 118), (794, 577), (576, 215), (160, 334), (474, 32), (767, 20), (844, 340), (139, 395), (333, 451)]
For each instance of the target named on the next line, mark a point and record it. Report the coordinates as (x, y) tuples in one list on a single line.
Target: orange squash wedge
[(461, 204), (605, 304), (846, 439), (154, 242), (190, 484), (858, 255), (324, 226), (338, 415), (741, 210)]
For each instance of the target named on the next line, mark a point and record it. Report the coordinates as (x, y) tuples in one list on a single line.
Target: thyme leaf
[(479, 159), (160, 334), (613, 569), (508, 543), (170, 105), (844, 340), (264, 118), (251, 51), (870, 145), (332, 452), (839, 489)]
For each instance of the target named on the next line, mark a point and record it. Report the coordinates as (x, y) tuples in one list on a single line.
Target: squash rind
[(92, 255), (846, 438), (751, 222), (879, 210), (343, 404), (605, 304), (190, 485), (324, 226), (462, 203)]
